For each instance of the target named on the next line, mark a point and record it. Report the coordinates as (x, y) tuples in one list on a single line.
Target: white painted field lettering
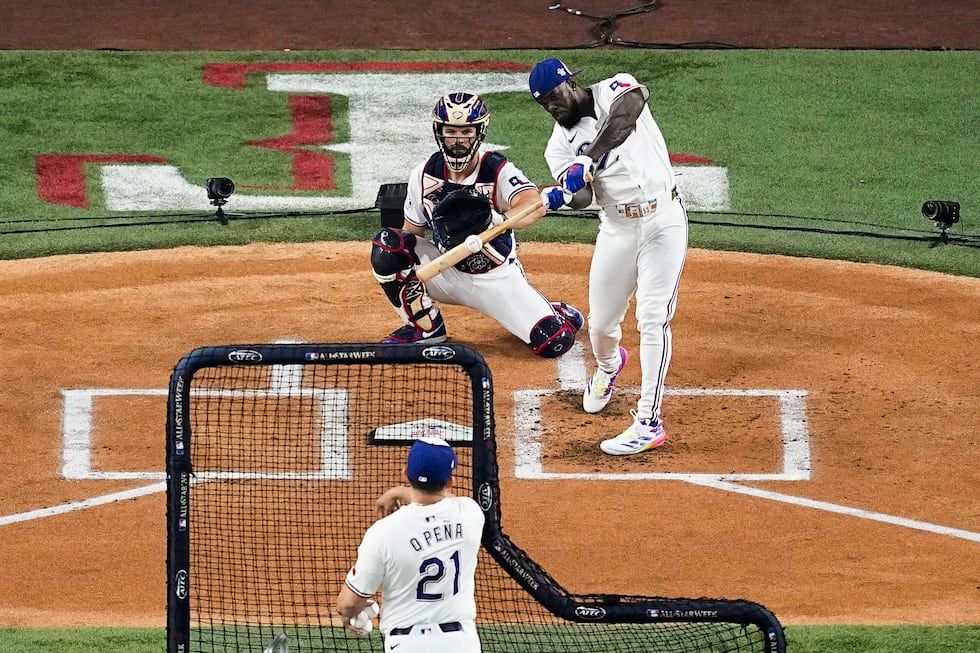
[(389, 120)]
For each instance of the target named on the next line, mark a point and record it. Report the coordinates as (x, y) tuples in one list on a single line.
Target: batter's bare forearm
[(618, 126)]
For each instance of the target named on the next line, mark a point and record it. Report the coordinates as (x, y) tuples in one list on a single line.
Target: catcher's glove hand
[(461, 213)]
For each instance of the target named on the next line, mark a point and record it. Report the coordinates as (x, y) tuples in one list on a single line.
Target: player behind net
[(421, 554)]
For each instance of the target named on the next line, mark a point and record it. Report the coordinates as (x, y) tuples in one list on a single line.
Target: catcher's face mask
[(457, 142), (462, 112)]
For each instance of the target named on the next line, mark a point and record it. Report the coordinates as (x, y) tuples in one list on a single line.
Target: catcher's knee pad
[(551, 337), (392, 251)]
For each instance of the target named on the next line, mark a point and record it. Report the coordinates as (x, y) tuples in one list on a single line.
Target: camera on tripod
[(220, 189), (943, 212)]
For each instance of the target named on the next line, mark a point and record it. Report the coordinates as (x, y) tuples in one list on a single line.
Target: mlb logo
[(182, 524)]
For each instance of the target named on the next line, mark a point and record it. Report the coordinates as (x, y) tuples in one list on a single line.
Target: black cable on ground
[(837, 221), (604, 27), (912, 235), (931, 237), (935, 239), (164, 219)]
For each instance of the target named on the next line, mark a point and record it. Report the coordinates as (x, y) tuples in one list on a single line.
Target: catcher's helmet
[(460, 110)]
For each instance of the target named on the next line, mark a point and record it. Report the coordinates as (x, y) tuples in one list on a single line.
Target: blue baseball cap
[(430, 460), (548, 74)]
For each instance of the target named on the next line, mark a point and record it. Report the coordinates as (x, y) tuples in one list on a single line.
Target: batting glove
[(578, 174), (555, 197)]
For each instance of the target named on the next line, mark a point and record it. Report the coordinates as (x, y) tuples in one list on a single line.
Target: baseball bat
[(456, 254)]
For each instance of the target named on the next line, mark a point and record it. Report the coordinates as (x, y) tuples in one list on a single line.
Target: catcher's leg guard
[(552, 336), (393, 261)]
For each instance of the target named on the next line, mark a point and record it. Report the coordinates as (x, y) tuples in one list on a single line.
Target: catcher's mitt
[(461, 213)]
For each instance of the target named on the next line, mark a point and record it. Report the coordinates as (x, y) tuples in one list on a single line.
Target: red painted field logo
[(61, 177), (388, 107)]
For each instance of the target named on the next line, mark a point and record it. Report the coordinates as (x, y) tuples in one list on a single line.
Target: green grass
[(83, 640), (883, 639), (818, 143), (800, 639), (815, 141)]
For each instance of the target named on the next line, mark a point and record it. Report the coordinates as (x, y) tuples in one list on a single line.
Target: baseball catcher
[(461, 190)]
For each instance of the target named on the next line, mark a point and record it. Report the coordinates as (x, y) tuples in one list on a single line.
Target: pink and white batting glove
[(554, 197), (578, 174)]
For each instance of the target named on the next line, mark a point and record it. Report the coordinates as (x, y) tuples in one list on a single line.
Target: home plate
[(405, 432)]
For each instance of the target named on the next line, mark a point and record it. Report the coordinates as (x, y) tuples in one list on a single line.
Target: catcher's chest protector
[(461, 210)]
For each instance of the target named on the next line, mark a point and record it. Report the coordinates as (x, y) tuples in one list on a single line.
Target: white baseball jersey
[(423, 559), (637, 250), (637, 170)]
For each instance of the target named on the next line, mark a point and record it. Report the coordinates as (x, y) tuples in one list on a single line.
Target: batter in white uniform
[(606, 145), (422, 555), (492, 280)]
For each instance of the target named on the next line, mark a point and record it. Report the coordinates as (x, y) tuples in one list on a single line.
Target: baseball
[(473, 243), (362, 620)]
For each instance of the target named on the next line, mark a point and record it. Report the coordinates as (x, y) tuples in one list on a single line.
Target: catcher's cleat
[(569, 313), (411, 334), (598, 391), (642, 435)]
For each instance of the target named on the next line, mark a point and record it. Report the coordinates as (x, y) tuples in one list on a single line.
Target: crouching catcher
[(457, 191)]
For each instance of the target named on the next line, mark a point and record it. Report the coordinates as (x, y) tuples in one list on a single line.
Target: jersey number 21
[(433, 570)]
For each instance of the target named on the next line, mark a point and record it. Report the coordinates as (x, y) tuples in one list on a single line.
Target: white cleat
[(598, 391), (642, 435)]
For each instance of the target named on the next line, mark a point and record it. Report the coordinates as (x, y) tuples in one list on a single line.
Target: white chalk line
[(571, 375), (725, 486), (796, 464), (83, 504), (833, 507)]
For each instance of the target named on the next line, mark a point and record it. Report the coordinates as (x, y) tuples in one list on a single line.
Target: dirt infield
[(877, 523), (884, 416), (521, 24)]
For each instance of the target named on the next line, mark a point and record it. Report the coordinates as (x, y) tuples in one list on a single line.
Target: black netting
[(285, 462)]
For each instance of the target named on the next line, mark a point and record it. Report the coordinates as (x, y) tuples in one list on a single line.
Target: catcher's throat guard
[(461, 213)]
